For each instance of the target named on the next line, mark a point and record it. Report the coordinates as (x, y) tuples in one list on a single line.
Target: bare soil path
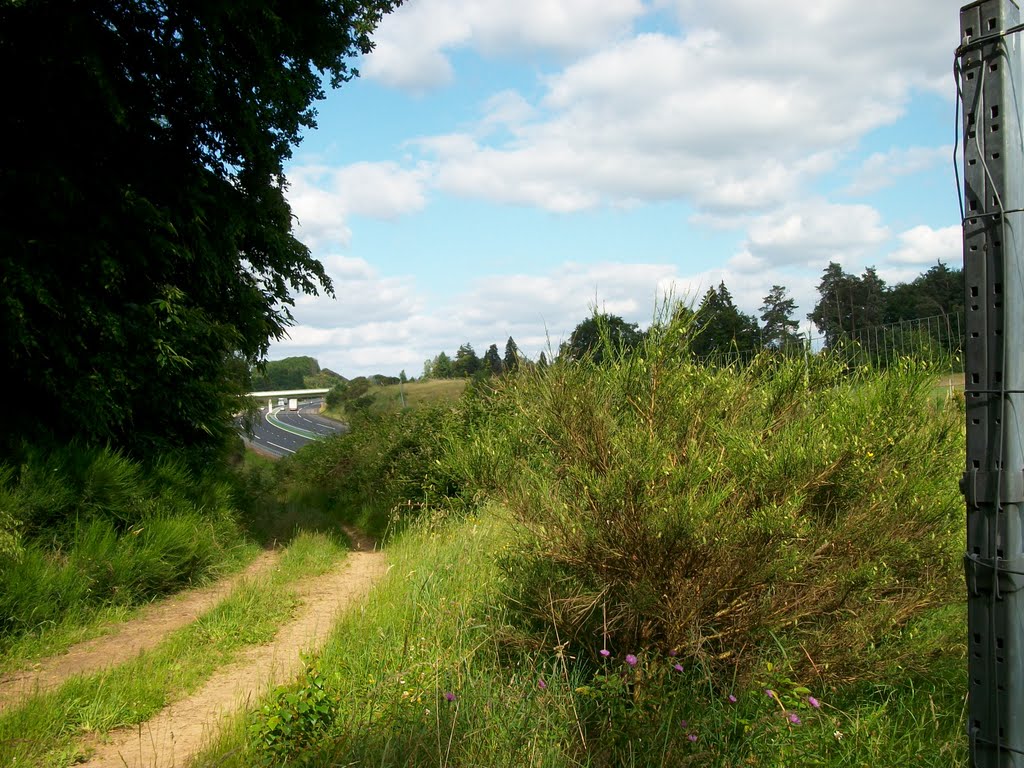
[(128, 640), (180, 730)]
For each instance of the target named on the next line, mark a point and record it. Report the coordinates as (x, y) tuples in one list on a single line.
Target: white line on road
[(280, 446)]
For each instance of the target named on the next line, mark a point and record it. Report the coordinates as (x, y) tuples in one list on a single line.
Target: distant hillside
[(295, 373)]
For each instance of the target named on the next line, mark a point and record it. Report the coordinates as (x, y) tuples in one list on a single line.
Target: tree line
[(847, 305)]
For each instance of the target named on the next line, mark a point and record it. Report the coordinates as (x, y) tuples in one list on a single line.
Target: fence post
[(989, 70)]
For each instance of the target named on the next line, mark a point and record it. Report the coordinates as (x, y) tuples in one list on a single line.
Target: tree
[(492, 361), (146, 244), (779, 329), (512, 356), (720, 328), (439, 367), (466, 362), (598, 335), (939, 291), (847, 303)]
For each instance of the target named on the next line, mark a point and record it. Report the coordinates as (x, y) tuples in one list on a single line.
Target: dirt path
[(145, 631), (177, 733)]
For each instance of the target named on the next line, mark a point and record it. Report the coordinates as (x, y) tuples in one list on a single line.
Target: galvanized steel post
[(989, 72)]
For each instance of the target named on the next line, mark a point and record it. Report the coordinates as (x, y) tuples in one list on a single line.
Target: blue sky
[(502, 168)]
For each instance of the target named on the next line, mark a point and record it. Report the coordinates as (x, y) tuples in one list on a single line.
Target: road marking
[(280, 446)]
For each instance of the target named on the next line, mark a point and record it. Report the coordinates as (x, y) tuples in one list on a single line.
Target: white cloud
[(412, 43), (811, 234), (883, 169), (737, 113), (324, 198), (925, 246)]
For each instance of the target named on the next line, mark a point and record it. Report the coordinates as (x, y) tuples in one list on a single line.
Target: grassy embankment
[(388, 399), (91, 535), (648, 563)]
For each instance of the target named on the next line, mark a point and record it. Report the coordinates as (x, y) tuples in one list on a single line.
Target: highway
[(293, 429)]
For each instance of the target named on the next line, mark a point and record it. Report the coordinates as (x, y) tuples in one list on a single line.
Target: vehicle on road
[(281, 401), (293, 404)]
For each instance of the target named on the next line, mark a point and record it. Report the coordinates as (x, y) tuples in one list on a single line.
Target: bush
[(723, 511), (383, 472), (94, 528)]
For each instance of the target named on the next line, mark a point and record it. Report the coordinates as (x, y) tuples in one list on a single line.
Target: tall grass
[(428, 672), (723, 512), (92, 529)]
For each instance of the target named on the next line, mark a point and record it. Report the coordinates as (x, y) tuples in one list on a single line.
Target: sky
[(506, 168)]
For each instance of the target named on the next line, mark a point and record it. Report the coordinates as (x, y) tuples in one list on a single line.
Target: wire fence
[(938, 340)]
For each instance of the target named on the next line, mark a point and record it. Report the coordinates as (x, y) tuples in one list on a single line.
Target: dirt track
[(181, 729)]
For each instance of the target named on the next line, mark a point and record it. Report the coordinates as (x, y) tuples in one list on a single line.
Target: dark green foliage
[(290, 373), (95, 528), (295, 721), (512, 356), (492, 363), (719, 328), (601, 332), (847, 303), (780, 329), (466, 363), (146, 247), (385, 471), (939, 291)]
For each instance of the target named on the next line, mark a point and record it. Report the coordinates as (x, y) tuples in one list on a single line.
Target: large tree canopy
[(146, 246)]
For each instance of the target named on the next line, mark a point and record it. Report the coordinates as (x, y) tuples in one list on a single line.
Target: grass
[(439, 626), (47, 729), (419, 394)]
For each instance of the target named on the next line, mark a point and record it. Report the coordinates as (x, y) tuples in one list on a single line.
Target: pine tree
[(779, 330), (492, 361)]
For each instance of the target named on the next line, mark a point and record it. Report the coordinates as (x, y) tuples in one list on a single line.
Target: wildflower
[(449, 696), (541, 684), (732, 699), (813, 702), (838, 735), (631, 659), (678, 667), (683, 724), (769, 693), (692, 736), (793, 718), (673, 652), (605, 652)]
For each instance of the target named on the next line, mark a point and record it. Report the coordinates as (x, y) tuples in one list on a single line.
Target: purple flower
[(673, 652), (631, 659), (769, 693), (732, 699), (692, 736), (683, 724), (541, 684), (449, 695), (793, 718), (605, 652), (813, 702), (678, 667)]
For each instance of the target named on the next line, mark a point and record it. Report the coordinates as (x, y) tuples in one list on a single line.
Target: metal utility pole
[(989, 74)]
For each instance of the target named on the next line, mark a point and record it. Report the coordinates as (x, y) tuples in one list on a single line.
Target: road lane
[(280, 442)]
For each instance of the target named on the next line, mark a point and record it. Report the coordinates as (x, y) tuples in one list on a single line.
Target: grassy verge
[(430, 673), (47, 729), (91, 534), (378, 400)]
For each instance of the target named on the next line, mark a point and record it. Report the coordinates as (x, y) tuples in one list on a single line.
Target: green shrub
[(93, 528), (723, 511)]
